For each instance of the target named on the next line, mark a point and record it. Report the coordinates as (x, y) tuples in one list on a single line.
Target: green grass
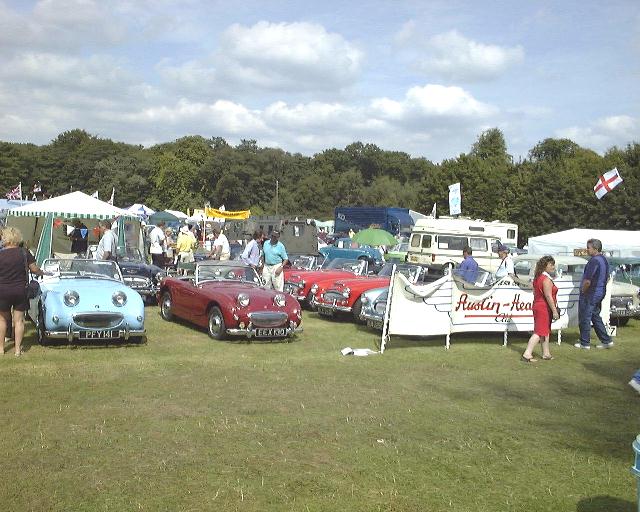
[(184, 423)]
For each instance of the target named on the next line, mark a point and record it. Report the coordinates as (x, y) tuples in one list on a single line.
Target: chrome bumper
[(624, 312), (332, 307), (70, 334), (250, 331)]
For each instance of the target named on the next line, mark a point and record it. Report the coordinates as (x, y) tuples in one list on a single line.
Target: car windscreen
[(83, 268), (233, 273)]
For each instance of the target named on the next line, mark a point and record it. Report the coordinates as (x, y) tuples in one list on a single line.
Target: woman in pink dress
[(545, 308)]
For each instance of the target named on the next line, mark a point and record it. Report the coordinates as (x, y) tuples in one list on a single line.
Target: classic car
[(299, 282), (626, 270), (398, 252), (86, 300), (374, 306), (344, 295), (625, 299), (140, 275), (227, 299), (345, 248)]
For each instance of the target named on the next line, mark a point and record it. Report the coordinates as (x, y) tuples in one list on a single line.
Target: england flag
[(607, 182)]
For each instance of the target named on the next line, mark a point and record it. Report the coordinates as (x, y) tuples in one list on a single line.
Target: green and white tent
[(44, 224)]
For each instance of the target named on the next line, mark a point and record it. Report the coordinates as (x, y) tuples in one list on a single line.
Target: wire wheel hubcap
[(214, 325)]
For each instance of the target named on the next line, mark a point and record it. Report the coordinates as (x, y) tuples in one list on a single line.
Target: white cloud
[(61, 24), (433, 101), (291, 57), (455, 57), (604, 133)]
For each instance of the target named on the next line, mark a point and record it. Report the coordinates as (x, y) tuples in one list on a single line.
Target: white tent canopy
[(176, 213), (72, 205), (140, 210), (614, 242)]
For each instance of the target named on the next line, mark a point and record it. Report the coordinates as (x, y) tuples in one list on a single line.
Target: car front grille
[(268, 319), (332, 295), (137, 282), (98, 320)]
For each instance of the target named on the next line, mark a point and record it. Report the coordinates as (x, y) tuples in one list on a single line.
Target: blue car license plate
[(99, 335), (270, 333)]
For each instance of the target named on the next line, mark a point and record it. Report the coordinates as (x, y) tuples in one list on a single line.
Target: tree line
[(550, 190)]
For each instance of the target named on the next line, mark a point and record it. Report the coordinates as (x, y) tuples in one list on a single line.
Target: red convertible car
[(299, 282), (226, 298), (343, 295)]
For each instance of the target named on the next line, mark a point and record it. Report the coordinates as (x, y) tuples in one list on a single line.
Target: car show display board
[(451, 305)]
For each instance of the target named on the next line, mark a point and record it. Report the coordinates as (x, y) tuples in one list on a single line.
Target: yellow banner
[(223, 214)]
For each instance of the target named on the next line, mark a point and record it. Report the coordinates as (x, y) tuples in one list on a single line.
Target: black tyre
[(357, 308), (42, 339), (620, 321), (166, 306), (215, 326)]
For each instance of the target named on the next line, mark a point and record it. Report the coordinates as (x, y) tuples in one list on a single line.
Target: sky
[(425, 77)]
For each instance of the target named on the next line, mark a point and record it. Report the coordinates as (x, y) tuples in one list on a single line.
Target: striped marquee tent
[(43, 223)]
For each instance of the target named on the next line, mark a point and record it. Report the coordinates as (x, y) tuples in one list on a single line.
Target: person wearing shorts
[(13, 285)]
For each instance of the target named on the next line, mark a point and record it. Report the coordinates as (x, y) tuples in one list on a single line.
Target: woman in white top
[(506, 265)]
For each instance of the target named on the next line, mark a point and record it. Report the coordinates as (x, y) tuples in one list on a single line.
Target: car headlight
[(300, 284), (71, 298), (119, 299), (243, 300), (314, 288), (346, 292), (160, 276), (279, 300)]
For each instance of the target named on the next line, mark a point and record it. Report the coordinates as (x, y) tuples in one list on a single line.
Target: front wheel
[(620, 321), (165, 307), (215, 326), (357, 309), (42, 339)]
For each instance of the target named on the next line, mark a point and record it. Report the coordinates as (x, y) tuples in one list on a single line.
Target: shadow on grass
[(237, 340), (605, 504)]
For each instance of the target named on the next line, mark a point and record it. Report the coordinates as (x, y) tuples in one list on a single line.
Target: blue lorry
[(356, 218)]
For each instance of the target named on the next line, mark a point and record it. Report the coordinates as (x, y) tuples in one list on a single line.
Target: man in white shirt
[(221, 250), (156, 237), (506, 265), (251, 253), (107, 246)]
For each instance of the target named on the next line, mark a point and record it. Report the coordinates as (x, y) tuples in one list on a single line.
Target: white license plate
[(375, 324), (270, 333), (99, 335)]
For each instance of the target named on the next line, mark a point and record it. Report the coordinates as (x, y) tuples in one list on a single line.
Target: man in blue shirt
[(592, 292), (275, 258), (468, 269)]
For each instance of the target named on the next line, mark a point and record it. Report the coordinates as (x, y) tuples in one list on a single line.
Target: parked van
[(431, 246), (505, 231)]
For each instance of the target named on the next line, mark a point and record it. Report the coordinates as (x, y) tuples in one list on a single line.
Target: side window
[(511, 233), (479, 244), (452, 243), (426, 241), (415, 240)]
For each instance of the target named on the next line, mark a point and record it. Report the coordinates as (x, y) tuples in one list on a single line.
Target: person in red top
[(545, 308)]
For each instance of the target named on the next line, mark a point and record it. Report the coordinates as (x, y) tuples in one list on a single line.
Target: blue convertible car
[(86, 300)]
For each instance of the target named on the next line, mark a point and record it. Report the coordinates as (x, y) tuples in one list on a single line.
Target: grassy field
[(183, 423)]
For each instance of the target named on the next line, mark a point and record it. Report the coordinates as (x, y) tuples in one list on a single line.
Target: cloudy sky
[(421, 76)]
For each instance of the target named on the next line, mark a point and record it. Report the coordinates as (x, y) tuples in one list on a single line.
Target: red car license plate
[(99, 335), (270, 333), (323, 310)]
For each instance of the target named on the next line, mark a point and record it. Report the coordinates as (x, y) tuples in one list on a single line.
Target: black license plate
[(375, 324), (323, 310), (277, 332), (99, 335)]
